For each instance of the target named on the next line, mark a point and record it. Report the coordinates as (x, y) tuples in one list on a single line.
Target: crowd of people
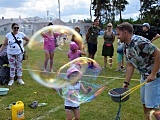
[(133, 50), (144, 56), (139, 53)]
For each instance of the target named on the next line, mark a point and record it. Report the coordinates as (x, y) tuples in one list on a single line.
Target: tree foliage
[(106, 10), (150, 12)]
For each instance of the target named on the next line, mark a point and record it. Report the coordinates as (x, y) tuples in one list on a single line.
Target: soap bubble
[(88, 67), (81, 71), (37, 57)]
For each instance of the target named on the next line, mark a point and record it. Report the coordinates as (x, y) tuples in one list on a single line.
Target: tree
[(150, 10), (87, 20), (106, 10), (120, 6)]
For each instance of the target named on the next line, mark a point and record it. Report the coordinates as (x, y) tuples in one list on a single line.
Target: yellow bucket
[(18, 111)]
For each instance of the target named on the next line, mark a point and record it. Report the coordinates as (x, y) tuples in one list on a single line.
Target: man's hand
[(125, 85), (151, 77)]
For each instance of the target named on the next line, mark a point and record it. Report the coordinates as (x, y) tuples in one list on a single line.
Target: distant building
[(32, 24)]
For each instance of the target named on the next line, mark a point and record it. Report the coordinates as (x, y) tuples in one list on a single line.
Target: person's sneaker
[(122, 67), (20, 81), (51, 70), (104, 67), (118, 70), (10, 82), (45, 70), (124, 70)]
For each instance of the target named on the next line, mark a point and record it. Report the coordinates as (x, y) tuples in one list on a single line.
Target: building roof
[(36, 19)]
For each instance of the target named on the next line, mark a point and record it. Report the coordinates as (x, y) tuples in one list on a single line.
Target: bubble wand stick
[(128, 92)]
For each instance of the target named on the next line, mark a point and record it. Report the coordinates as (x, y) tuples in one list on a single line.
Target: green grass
[(101, 108)]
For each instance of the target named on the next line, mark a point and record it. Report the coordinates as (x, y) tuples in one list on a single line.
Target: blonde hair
[(109, 24)]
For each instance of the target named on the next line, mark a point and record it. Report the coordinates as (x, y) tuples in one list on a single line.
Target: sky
[(70, 9)]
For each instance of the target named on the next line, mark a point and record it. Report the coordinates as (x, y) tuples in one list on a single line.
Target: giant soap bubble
[(81, 75), (66, 74), (36, 53)]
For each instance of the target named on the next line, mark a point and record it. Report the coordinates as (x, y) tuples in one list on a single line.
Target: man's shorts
[(92, 48), (150, 93)]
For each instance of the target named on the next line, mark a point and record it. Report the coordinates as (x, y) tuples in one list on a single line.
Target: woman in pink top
[(74, 52), (49, 47)]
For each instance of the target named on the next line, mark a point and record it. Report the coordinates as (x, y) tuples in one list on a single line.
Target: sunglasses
[(15, 27), (109, 26)]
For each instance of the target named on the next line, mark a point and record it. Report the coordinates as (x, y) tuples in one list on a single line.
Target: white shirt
[(12, 47), (71, 95), (120, 45)]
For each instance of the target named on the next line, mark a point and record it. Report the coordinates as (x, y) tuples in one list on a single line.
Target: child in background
[(71, 102), (64, 36), (120, 47), (74, 52), (49, 47), (74, 39)]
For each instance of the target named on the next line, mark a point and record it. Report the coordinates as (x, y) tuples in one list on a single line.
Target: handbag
[(25, 56), (108, 45)]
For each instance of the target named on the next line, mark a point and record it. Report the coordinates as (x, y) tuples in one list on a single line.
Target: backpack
[(3, 60), (4, 75)]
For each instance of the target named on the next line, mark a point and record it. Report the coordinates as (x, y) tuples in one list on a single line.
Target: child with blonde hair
[(72, 104)]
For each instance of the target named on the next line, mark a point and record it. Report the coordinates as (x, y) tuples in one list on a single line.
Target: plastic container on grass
[(4, 91), (18, 111), (42, 104)]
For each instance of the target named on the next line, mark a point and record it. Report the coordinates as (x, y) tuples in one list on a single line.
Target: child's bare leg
[(46, 59), (51, 61), (119, 66), (122, 61), (69, 115), (76, 114)]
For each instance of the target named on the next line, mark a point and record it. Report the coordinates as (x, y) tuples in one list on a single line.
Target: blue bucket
[(4, 91)]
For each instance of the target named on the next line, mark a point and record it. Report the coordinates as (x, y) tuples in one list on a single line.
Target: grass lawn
[(101, 108)]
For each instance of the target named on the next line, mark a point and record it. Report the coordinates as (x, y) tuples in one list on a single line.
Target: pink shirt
[(74, 55), (49, 42)]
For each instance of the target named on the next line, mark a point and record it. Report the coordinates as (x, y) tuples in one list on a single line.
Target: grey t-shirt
[(93, 30)]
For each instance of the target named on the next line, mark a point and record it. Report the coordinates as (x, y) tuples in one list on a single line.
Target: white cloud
[(70, 9)]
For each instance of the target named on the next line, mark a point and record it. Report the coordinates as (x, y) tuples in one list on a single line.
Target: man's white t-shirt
[(12, 47)]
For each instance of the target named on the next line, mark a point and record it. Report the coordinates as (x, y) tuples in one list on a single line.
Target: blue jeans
[(150, 93)]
